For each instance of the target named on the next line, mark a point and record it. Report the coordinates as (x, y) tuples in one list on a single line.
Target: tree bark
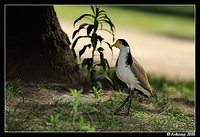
[(37, 49)]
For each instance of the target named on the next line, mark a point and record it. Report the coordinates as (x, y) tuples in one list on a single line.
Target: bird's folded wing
[(142, 77)]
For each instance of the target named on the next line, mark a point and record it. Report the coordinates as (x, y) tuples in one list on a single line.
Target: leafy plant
[(81, 127), (41, 86), (96, 21), (53, 120), (97, 92), (76, 95)]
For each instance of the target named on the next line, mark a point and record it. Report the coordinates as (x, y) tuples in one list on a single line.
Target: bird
[(129, 71)]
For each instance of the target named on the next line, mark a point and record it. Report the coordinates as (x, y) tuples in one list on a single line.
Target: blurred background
[(162, 38)]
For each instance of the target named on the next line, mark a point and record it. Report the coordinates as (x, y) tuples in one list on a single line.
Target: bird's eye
[(120, 42)]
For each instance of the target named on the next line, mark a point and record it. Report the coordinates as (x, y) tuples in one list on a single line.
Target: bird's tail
[(145, 92)]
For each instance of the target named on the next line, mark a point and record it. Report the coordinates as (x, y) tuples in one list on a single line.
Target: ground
[(51, 107), (61, 93)]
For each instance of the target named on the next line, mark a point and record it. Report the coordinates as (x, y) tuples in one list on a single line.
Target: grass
[(177, 10), (158, 115), (162, 20), (183, 89)]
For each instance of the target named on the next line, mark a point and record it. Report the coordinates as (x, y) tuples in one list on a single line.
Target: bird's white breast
[(124, 72)]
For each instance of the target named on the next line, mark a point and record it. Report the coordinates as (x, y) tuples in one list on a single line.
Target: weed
[(76, 95), (41, 86), (82, 127), (53, 120), (96, 92)]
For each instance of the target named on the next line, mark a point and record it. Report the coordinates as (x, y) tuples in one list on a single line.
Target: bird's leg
[(131, 96), (122, 105), (123, 102)]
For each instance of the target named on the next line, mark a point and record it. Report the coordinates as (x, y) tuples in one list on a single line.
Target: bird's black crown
[(124, 42)]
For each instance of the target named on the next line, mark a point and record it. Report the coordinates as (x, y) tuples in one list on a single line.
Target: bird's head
[(121, 44)]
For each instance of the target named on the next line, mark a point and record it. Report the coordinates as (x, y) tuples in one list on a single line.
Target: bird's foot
[(127, 113), (119, 109)]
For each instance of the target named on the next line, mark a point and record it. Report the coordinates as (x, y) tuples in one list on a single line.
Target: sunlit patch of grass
[(156, 22), (172, 87)]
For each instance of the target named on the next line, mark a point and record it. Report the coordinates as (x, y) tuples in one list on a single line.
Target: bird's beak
[(117, 43)]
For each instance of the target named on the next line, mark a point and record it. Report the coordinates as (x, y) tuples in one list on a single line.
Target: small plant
[(97, 92), (41, 86), (96, 21), (76, 95), (53, 119), (81, 127)]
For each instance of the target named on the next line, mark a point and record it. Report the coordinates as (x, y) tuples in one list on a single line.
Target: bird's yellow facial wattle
[(117, 43)]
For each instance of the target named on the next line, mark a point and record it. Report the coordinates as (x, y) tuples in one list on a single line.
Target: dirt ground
[(159, 55), (48, 96), (42, 102)]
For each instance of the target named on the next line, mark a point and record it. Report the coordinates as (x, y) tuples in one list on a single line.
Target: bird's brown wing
[(141, 75)]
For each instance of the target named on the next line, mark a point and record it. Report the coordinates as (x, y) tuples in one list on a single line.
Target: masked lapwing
[(131, 72)]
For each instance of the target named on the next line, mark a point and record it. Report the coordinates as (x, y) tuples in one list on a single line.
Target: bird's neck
[(124, 56)]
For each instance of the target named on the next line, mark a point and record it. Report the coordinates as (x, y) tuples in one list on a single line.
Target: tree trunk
[(36, 47)]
